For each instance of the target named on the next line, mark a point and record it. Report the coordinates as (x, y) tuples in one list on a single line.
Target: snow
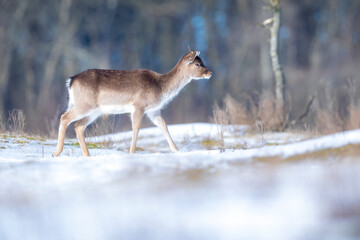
[(194, 194)]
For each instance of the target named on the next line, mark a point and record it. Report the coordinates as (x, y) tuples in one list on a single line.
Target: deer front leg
[(136, 117), (158, 120)]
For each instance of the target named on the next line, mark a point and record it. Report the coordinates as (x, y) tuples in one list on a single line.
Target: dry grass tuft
[(260, 125), (2, 125), (249, 112), (16, 121), (353, 121), (266, 111), (238, 113), (328, 122), (337, 111), (108, 143), (329, 110), (221, 118), (52, 124), (102, 126)]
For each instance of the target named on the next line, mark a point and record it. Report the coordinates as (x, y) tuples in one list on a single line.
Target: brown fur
[(99, 91)]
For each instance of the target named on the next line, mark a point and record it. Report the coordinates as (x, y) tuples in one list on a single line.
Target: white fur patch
[(117, 109), (93, 115), (167, 98), (198, 78), (67, 83), (71, 98)]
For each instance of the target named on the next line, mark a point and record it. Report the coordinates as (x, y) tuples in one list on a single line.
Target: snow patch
[(194, 194)]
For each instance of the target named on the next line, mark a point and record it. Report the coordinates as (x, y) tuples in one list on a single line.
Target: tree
[(273, 24)]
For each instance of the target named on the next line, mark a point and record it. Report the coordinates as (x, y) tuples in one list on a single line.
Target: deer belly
[(116, 109)]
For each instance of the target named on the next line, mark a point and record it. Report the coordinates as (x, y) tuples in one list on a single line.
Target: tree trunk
[(278, 74), (279, 77)]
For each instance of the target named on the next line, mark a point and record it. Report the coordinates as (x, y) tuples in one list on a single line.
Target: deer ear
[(191, 56)]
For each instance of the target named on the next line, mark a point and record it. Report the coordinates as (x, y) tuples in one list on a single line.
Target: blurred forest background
[(44, 42)]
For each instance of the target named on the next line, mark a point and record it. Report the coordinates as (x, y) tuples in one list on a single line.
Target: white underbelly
[(153, 108), (164, 101), (116, 109)]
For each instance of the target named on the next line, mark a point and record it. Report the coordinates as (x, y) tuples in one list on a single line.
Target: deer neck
[(174, 81)]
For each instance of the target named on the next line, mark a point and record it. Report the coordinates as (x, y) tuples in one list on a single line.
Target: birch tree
[(273, 25)]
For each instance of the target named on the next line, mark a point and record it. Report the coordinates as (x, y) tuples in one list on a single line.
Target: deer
[(97, 92)]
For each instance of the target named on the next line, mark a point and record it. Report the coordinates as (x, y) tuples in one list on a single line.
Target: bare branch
[(307, 109)]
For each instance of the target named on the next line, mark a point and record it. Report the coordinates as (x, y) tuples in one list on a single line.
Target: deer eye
[(197, 64)]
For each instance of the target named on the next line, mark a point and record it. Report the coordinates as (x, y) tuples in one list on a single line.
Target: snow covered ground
[(279, 186)]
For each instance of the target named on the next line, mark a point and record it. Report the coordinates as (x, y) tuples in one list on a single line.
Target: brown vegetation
[(221, 118), (325, 116), (248, 111), (16, 121)]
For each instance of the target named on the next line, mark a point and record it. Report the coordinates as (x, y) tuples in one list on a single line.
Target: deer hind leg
[(158, 120), (136, 118), (67, 118), (79, 129)]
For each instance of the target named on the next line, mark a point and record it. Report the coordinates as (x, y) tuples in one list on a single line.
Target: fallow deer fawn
[(96, 91)]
